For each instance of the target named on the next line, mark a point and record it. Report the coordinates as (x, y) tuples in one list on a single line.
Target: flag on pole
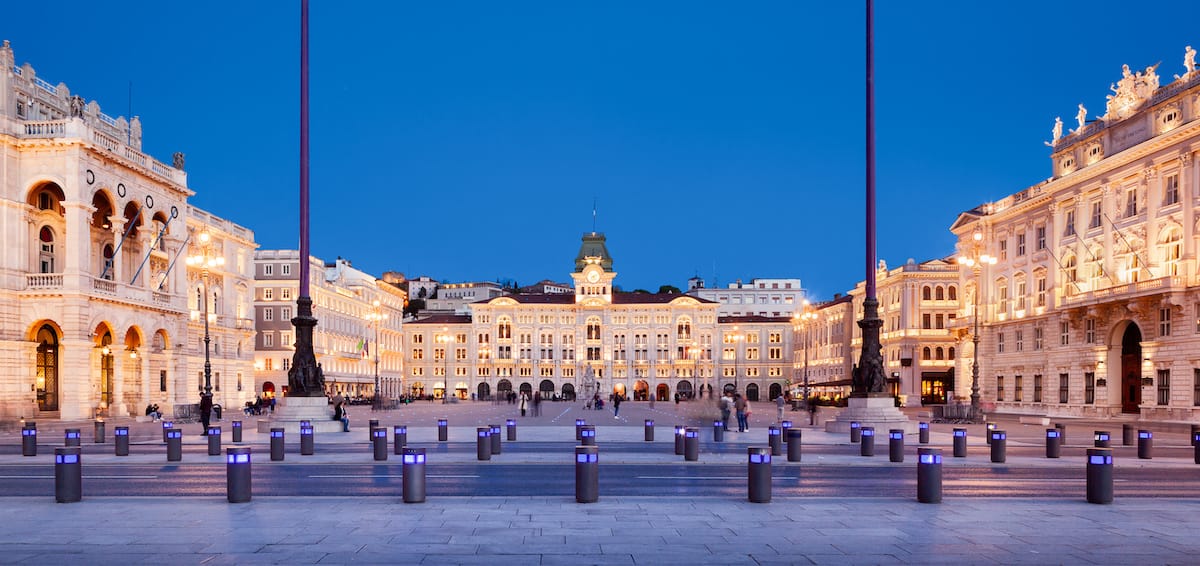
[(362, 349)]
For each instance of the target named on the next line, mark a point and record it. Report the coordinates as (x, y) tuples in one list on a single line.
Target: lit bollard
[(1053, 443), (29, 441), (895, 445), (855, 432), (1195, 435), (371, 426), (923, 432), (413, 475), (379, 443), (121, 441), (496, 448), (1062, 433), (174, 445), (166, 426), (679, 440), (579, 428), (649, 430), (784, 427), (237, 474), (1196, 446), (399, 439), (307, 440), (718, 431), (483, 443), (929, 475), (1127, 434), (443, 432), (774, 440), (1102, 439), (691, 444), (867, 441), (214, 441), (71, 437), (98, 431), (587, 435), (511, 425), (987, 433), (999, 445), (277, 444), (794, 444), (587, 474), (1099, 475), (758, 474), (960, 443), (236, 427), (1145, 445), (68, 475)]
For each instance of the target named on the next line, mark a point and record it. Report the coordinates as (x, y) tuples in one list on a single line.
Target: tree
[(669, 289), (414, 306)]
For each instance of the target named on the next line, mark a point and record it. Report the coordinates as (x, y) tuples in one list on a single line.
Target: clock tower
[(593, 273)]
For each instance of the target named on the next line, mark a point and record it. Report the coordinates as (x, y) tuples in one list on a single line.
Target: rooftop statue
[(1130, 92), (1081, 117), (1189, 59), (1057, 131)]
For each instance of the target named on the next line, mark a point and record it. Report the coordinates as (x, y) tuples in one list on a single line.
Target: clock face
[(593, 277)]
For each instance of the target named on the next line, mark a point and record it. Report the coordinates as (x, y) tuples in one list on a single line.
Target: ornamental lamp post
[(805, 320), (445, 339), (976, 260), (376, 316), (205, 260), (694, 353)]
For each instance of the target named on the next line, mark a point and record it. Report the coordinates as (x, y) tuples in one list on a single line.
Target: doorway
[(1131, 369)]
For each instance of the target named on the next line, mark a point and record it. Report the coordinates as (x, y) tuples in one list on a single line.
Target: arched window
[(46, 384), (951, 355), (593, 328), (952, 293), (926, 293), (46, 250), (504, 329), (938, 353), (939, 293), (684, 329), (926, 354)]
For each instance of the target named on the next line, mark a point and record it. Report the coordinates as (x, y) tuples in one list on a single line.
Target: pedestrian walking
[(779, 408), (616, 405), (206, 407), (739, 405), (726, 406), (524, 402), (652, 396), (537, 403)]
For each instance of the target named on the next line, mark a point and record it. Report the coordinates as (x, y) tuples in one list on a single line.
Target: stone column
[(78, 385), (77, 241), (118, 230), (1053, 235), (1152, 188), (1108, 196), (1187, 186)]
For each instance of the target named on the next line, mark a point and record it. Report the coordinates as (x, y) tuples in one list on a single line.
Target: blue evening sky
[(467, 140)]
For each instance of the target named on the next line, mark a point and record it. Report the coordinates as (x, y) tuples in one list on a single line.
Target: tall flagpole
[(305, 378), (869, 379)]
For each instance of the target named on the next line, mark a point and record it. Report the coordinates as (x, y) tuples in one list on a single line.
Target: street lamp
[(377, 316), (806, 320), (445, 339), (976, 260), (484, 358), (206, 260), (737, 354), (694, 352)]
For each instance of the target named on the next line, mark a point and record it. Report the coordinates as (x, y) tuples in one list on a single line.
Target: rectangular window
[(268, 269), (1164, 321), (217, 381), (285, 364), (1019, 340), (418, 353), (162, 380), (1069, 230), (268, 339), (1040, 236), (286, 269), (285, 293), (268, 294), (269, 364), (1020, 245), (285, 313), (1131, 208), (285, 338), (999, 387), (1171, 190), (1040, 283), (1089, 331), (268, 314), (1064, 333), (1003, 250), (1037, 389), (1164, 387), (999, 342), (1064, 387), (775, 353), (1097, 214), (1017, 388), (1089, 387), (239, 381), (1037, 338), (751, 353), (927, 321), (1196, 387)]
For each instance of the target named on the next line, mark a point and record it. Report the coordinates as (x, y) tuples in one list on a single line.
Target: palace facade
[(596, 340), (99, 310), (1092, 306)]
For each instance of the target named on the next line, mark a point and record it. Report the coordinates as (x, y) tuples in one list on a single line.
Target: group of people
[(257, 406), (153, 412), (533, 403), (734, 403)]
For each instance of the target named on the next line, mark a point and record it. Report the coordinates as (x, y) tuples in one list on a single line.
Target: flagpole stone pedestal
[(289, 411)]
